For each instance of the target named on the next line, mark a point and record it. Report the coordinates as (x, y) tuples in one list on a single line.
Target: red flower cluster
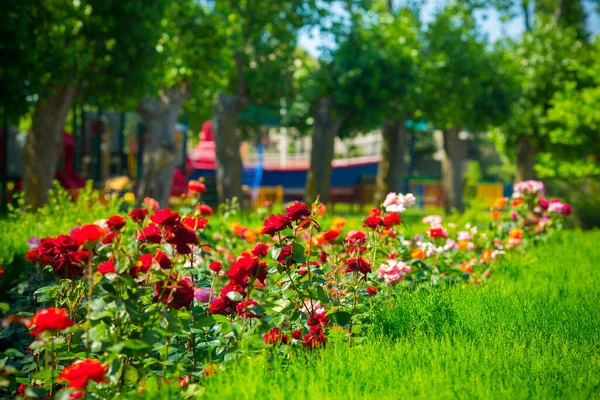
[(245, 268), (138, 214), (89, 233), (151, 234), (175, 293), (391, 219), (115, 223), (107, 267), (437, 232), (244, 310), (355, 238), (275, 223), (145, 262), (275, 336), (179, 232), (49, 319), (62, 253), (374, 219), (80, 373), (196, 187), (357, 264), (297, 211), (260, 250)]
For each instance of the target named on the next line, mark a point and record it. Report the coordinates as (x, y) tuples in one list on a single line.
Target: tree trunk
[(160, 116), (526, 153), (44, 142), (455, 152), (325, 129), (391, 170), (227, 143)]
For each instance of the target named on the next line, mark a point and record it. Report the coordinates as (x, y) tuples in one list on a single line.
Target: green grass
[(533, 331)]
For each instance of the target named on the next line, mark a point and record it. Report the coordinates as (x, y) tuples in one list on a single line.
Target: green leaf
[(4, 307), (341, 318), (35, 392)]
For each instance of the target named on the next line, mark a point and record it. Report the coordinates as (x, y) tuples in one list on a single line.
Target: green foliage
[(529, 333), (466, 84), (58, 216)]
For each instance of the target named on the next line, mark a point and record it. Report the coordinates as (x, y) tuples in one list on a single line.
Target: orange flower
[(249, 235), (337, 224), (517, 202), (81, 372), (463, 244), (500, 202), (417, 253), (516, 233), (467, 266), (495, 214), (486, 256), (236, 227), (50, 319)]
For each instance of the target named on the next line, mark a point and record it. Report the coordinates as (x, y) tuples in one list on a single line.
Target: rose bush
[(131, 305)]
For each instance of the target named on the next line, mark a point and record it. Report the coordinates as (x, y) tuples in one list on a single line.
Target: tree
[(253, 30), (66, 47), (188, 54), (544, 58), (396, 80), (467, 87), (554, 34)]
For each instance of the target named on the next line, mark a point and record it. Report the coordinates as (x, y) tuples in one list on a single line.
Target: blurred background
[(272, 101)]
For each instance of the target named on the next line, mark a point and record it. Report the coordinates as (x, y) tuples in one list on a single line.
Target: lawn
[(532, 331)]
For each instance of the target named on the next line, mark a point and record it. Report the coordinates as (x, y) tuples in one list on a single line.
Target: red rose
[(49, 319), (196, 187), (89, 233), (297, 211), (215, 266), (110, 237), (323, 256), (260, 250), (181, 237), (145, 262), (330, 235), (205, 209), (176, 294), (150, 234), (138, 214), (274, 336), (194, 223), (81, 372), (373, 222), (165, 217), (318, 319), (437, 232), (115, 223), (358, 264), (297, 334), (372, 290), (315, 338), (356, 238), (276, 223), (243, 309), (222, 306), (232, 287), (285, 255), (391, 219), (107, 267)]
